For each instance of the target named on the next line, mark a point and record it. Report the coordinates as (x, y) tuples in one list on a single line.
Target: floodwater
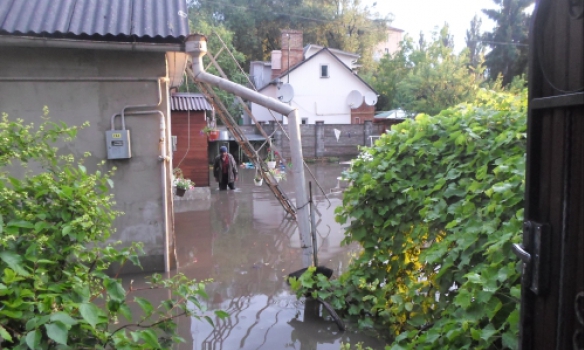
[(246, 244)]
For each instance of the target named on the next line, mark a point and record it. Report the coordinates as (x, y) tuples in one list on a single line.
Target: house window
[(304, 120), (324, 73), (357, 120)]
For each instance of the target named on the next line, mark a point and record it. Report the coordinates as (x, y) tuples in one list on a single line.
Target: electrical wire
[(188, 127)]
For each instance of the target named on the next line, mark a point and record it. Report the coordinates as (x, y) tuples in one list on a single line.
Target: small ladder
[(246, 146)]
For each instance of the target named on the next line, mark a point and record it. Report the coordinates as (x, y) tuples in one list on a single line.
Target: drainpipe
[(196, 46), (165, 159)]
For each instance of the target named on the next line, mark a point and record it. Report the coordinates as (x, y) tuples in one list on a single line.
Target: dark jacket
[(218, 168)]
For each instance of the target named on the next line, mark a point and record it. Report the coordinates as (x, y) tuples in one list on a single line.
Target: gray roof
[(189, 102), (111, 20)]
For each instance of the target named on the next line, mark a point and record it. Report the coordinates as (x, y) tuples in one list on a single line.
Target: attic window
[(324, 73)]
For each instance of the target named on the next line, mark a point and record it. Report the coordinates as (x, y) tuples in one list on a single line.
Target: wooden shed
[(188, 118)]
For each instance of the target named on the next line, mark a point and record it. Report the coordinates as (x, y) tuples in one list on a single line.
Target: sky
[(414, 16)]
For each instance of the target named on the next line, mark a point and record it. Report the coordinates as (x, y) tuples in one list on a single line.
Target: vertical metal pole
[(313, 227), (302, 214)]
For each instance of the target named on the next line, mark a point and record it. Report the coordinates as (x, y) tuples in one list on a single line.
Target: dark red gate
[(553, 238)]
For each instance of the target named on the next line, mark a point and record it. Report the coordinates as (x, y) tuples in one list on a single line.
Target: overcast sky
[(414, 16)]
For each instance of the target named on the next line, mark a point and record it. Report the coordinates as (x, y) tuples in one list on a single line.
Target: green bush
[(54, 220), (436, 205)]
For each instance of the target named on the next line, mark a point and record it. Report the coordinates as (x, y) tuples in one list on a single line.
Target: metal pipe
[(164, 158), (146, 106), (28, 41), (196, 46)]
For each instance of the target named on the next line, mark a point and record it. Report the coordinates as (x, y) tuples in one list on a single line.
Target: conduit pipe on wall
[(327, 114), (196, 46), (165, 159)]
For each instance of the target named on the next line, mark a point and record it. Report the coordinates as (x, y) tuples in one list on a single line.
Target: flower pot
[(258, 182), (180, 191), (213, 135), (272, 165)]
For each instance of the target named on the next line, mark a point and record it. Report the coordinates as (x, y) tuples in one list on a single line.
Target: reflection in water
[(247, 245)]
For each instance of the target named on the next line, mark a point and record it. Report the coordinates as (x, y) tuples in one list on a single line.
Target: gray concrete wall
[(318, 140), (138, 189)]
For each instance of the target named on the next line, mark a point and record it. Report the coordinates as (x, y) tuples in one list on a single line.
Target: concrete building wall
[(138, 190), (319, 140), (390, 45)]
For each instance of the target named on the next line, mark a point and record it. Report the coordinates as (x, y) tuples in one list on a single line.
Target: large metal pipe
[(196, 46)]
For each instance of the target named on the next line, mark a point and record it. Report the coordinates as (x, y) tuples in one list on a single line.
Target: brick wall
[(292, 48)]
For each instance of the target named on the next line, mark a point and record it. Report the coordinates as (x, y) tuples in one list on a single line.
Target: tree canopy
[(425, 78), (508, 40), (256, 24)]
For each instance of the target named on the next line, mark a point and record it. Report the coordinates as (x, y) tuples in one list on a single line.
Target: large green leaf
[(14, 261), (90, 313), (58, 332), (33, 339)]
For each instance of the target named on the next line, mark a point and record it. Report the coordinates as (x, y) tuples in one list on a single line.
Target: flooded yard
[(245, 243)]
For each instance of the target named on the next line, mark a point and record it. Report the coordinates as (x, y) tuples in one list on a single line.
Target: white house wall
[(318, 98)]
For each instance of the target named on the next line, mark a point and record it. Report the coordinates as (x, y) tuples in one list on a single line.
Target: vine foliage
[(54, 221), (436, 205)]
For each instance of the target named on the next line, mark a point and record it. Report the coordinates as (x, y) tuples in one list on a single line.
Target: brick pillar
[(368, 131), (319, 138)]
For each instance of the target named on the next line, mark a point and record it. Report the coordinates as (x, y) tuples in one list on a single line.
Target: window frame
[(327, 71)]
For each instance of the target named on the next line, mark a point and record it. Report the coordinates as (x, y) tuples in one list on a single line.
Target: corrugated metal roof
[(189, 102), (114, 19)]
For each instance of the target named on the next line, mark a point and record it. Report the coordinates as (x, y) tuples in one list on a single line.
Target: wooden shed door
[(552, 305)]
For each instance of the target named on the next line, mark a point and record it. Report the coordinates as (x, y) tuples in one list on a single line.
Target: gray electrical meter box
[(118, 144)]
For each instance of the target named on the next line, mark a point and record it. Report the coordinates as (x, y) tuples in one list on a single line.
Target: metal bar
[(313, 226), (570, 100), (247, 147), (273, 117), (245, 107), (217, 55)]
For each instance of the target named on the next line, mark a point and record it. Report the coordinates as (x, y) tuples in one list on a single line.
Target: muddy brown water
[(244, 242)]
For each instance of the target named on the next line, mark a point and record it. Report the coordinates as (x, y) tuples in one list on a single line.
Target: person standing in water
[(225, 169)]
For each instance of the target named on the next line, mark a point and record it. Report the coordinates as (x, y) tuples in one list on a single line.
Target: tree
[(217, 35), (389, 72), (475, 46), (508, 40), (256, 24), (438, 79)]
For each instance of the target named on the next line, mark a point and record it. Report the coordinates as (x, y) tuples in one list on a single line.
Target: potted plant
[(271, 160), (182, 185), (278, 174), (258, 180), (212, 133)]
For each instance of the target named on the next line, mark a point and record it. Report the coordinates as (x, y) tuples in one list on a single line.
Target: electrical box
[(118, 144)]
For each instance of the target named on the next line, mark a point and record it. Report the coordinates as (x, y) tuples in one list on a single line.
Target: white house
[(319, 81)]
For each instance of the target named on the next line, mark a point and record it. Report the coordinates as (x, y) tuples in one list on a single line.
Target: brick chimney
[(292, 48)]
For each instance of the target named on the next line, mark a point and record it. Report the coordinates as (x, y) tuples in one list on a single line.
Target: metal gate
[(552, 309)]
